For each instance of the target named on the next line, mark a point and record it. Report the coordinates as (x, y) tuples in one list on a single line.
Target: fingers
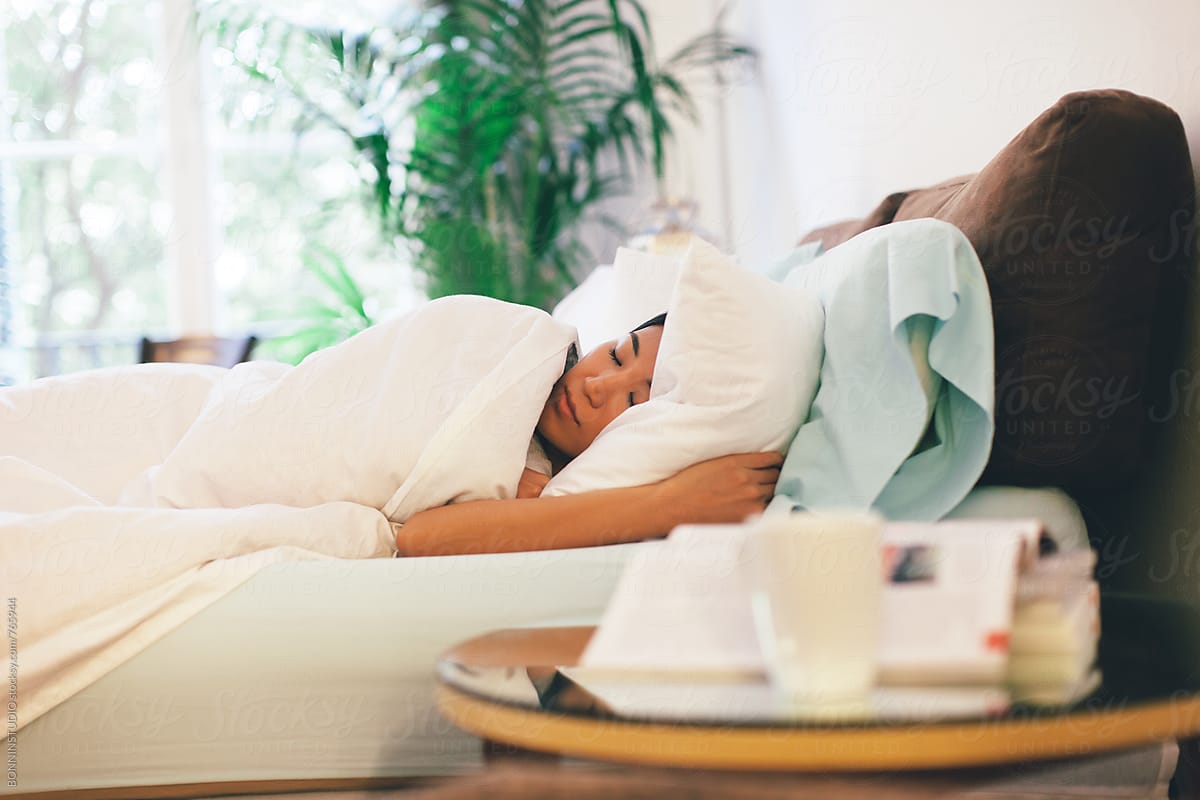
[(766, 493), (769, 459), (765, 460), (766, 475)]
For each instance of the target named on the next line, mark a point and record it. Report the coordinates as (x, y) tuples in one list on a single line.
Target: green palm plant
[(493, 129)]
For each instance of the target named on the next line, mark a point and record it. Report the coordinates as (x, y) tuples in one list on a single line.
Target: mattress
[(320, 673)]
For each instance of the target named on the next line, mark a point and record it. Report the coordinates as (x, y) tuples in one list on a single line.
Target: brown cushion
[(1081, 223), (832, 235)]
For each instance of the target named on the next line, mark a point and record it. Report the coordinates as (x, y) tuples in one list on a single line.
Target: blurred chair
[(223, 352)]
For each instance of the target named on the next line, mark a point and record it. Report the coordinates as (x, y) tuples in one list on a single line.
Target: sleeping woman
[(355, 424), (588, 396)]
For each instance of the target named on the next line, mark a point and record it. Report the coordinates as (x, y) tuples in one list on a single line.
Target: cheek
[(610, 413)]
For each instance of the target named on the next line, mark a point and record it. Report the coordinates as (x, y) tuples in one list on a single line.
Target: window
[(148, 186)]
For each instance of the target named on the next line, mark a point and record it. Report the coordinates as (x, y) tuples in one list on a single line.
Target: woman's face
[(608, 380)]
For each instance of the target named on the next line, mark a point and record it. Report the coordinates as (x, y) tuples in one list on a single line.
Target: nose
[(597, 388)]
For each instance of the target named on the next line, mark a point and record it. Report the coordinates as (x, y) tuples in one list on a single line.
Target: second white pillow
[(613, 300)]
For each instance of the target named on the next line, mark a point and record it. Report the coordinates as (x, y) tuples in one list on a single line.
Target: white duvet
[(131, 498)]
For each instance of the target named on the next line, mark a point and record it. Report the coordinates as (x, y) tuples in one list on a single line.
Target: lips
[(567, 405)]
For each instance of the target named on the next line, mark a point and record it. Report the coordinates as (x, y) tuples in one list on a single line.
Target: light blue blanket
[(908, 337)]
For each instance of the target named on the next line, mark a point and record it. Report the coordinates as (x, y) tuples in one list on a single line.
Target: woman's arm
[(726, 489)]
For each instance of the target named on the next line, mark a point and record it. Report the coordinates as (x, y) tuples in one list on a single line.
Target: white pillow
[(642, 287), (736, 372), (587, 308), (613, 300)]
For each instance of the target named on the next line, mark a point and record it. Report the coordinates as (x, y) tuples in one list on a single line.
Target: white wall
[(694, 165), (728, 161), (860, 98)]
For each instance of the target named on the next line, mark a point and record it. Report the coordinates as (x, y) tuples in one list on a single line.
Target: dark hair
[(659, 321)]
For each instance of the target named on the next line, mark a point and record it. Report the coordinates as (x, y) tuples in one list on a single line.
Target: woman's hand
[(727, 489), (722, 490), (531, 483)]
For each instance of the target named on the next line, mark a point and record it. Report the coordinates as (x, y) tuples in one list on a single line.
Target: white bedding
[(132, 498)]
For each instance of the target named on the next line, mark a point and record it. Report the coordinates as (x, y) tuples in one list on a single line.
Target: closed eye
[(612, 353)]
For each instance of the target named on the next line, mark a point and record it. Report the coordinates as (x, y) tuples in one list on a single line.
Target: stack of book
[(1055, 630), (1022, 618)]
